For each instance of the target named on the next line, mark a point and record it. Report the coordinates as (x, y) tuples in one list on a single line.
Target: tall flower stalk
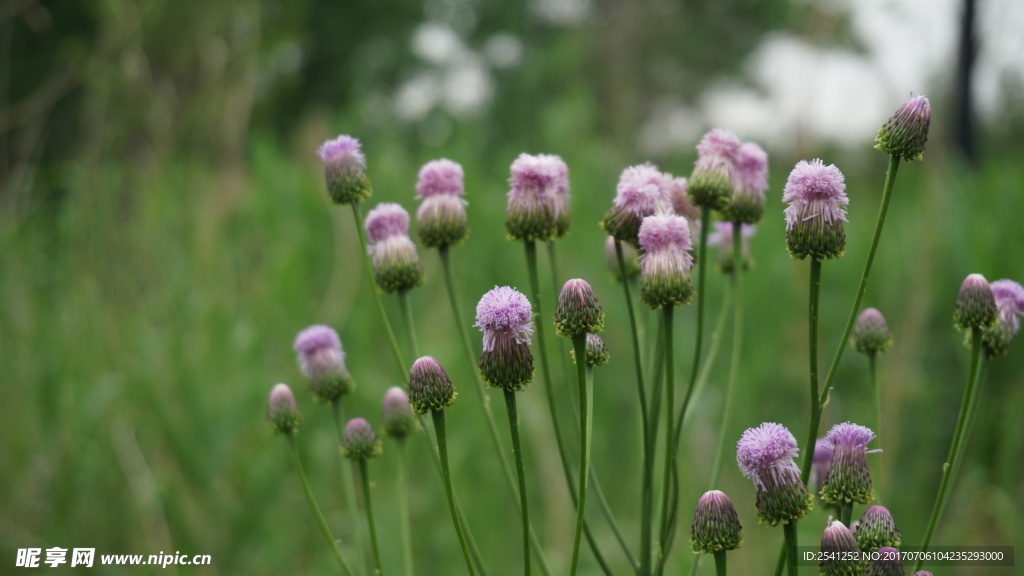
[(360, 444), (398, 421), (871, 337)]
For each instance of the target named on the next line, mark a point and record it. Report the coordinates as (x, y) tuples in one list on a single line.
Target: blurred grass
[(146, 316)]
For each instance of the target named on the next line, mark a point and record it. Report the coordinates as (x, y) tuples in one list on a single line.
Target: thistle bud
[(821, 463), (906, 132), (441, 218), (1009, 297), (750, 181), (641, 192), (877, 530), (886, 562), (839, 552), (344, 169), (359, 442), (814, 218), (322, 361), (871, 334), (577, 311), (716, 526), (722, 239), (765, 455), (666, 261), (534, 201), (711, 183), (848, 479), (396, 415), (396, 264), (629, 258), (430, 388), (597, 351), (975, 304), (506, 319), (282, 410)]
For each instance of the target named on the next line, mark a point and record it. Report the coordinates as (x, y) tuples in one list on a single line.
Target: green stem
[(442, 449), (347, 486), (719, 564), (846, 513), (949, 468), (316, 509), (403, 509), (492, 428), (579, 344), (670, 452), (817, 401), (737, 341), (780, 565), (876, 415), (403, 368), (410, 327), (513, 424), (364, 475), (890, 180), (791, 543)]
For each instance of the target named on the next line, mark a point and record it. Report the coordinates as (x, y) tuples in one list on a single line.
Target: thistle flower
[(848, 479), (815, 215), (629, 258), (359, 442), (282, 410), (1009, 298), (322, 361), (577, 311), (821, 463), (975, 304), (396, 265), (430, 388), (711, 183), (344, 170), (396, 415), (877, 530), (681, 203), (871, 334), (906, 132), (750, 181), (839, 551), (886, 562), (563, 216), (716, 526), (597, 351), (641, 192), (922, 573), (721, 239), (441, 217), (504, 315), (666, 261), (540, 190), (765, 455)]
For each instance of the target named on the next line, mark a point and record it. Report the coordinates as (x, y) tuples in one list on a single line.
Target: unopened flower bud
[(430, 388), (344, 168), (975, 304), (396, 264), (642, 191), (666, 261), (871, 334), (359, 442), (396, 415), (877, 530), (1009, 297), (885, 562), (629, 259), (282, 410), (534, 201), (906, 132), (722, 239), (849, 479), (814, 218), (322, 361), (839, 552), (441, 217), (578, 311), (506, 319), (716, 526), (765, 455), (597, 351)]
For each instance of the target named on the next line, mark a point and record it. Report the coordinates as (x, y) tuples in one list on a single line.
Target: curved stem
[(876, 415), (579, 344), (364, 474), (442, 449), (720, 564), (817, 401), (316, 509), (513, 424), (670, 452), (347, 485), (890, 180), (368, 265), (403, 509), (791, 543), (949, 468), (410, 327)]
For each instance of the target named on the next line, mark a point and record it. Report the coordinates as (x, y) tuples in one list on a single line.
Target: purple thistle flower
[(441, 217), (839, 551), (322, 361), (396, 264), (578, 311), (906, 132), (719, 143), (665, 262), (711, 182), (282, 410), (344, 166), (385, 221), (975, 304), (430, 388), (358, 442), (848, 479), (440, 178), (814, 218), (538, 195), (396, 415), (877, 529), (765, 455), (922, 573), (1009, 298), (750, 181), (871, 334), (681, 203), (504, 314), (716, 526), (642, 191), (629, 258), (886, 561), (721, 239), (822, 461)]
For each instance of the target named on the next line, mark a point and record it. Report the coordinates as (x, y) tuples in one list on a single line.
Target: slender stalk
[(737, 341), (586, 407), (410, 327), (364, 475), (403, 510), (780, 565), (316, 509), (667, 314), (513, 424), (553, 269), (791, 543), (442, 449), (876, 415), (719, 564), (846, 513), (817, 401), (890, 179), (347, 486), (949, 468), (368, 265), (702, 266)]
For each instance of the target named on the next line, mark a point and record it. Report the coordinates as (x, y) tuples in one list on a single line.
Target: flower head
[(539, 192), (877, 530), (630, 260), (282, 410), (719, 143), (1009, 297), (440, 178), (750, 182), (871, 334), (344, 166), (716, 526), (597, 351), (396, 415), (359, 442), (441, 217), (430, 388), (886, 561), (385, 221), (666, 261), (975, 304), (906, 132), (577, 311), (322, 361), (765, 455), (848, 479), (681, 203), (822, 461), (505, 317), (722, 239), (814, 218), (642, 191), (839, 552), (396, 264)]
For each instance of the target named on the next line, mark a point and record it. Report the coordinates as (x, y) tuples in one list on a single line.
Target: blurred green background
[(165, 235)]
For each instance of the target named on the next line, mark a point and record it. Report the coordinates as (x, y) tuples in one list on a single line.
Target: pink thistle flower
[(322, 361), (906, 132), (504, 314), (765, 455), (665, 262), (814, 218), (359, 442), (396, 414), (282, 410), (441, 217), (1009, 299), (396, 264), (538, 195), (641, 192), (440, 178), (719, 143), (848, 479), (344, 166)]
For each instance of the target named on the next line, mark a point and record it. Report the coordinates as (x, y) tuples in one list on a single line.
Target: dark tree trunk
[(963, 120)]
